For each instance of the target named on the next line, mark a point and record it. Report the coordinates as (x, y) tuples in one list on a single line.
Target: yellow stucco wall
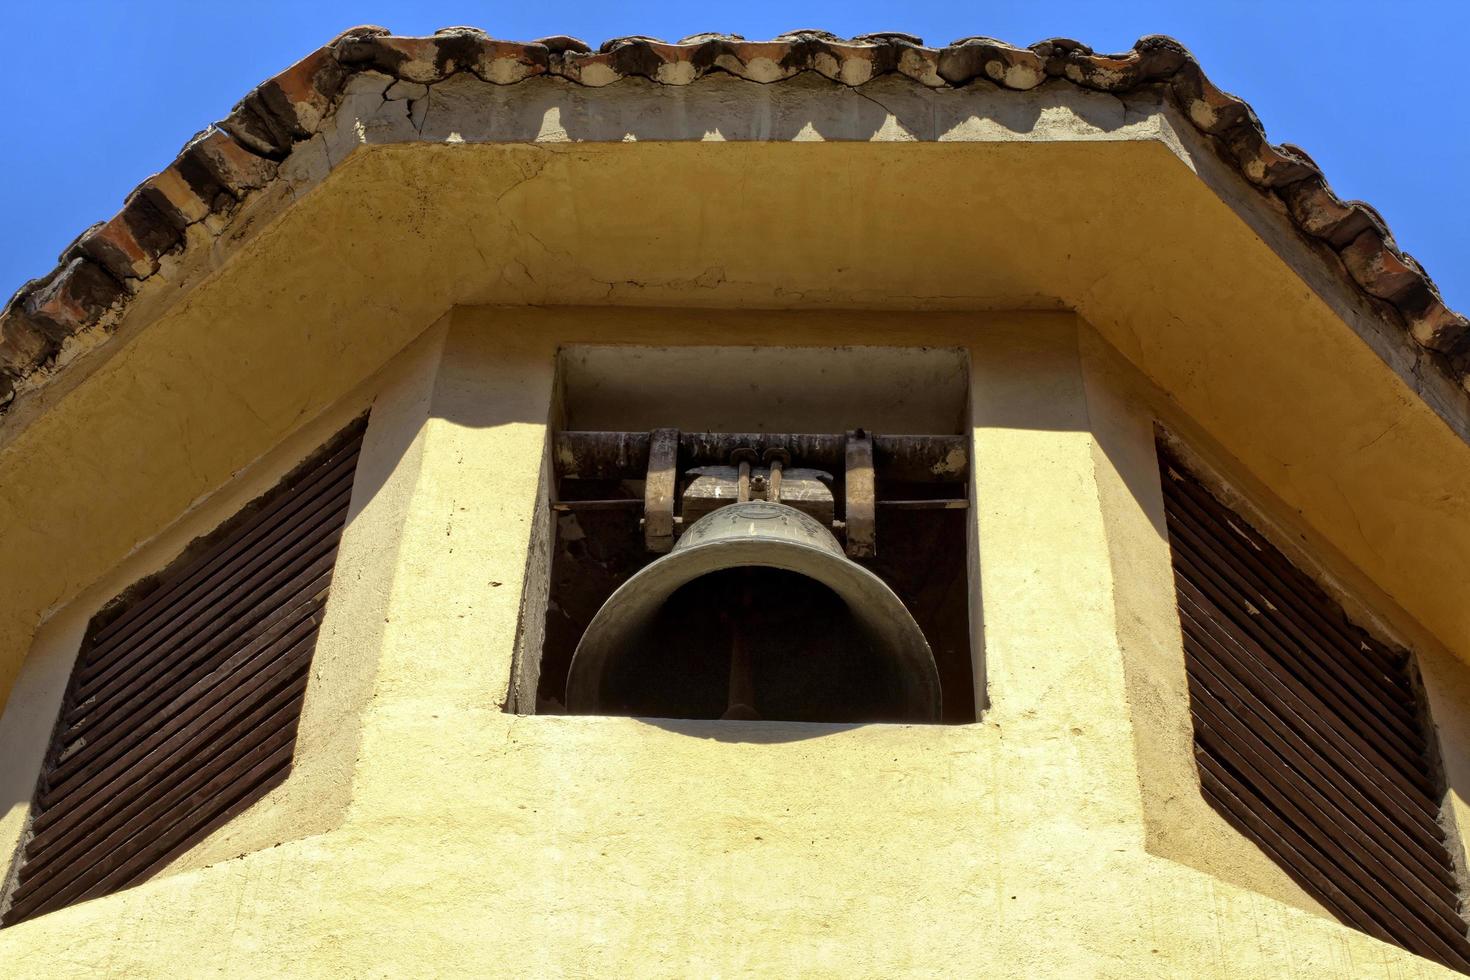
[(1057, 836)]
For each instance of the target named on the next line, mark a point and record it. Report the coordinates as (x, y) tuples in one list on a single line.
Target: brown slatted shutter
[(1308, 734), (183, 704)]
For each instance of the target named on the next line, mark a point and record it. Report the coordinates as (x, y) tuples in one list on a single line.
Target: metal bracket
[(776, 459), (659, 488), (861, 496), (743, 457)]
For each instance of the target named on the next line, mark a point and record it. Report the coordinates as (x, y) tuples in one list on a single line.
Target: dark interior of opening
[(681, 671), (807, 660)]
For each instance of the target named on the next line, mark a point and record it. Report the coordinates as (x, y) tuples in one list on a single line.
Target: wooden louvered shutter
[(183, 704), (1308, 734)]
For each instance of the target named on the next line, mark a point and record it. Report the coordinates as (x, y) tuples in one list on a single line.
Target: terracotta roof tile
[(242, 154)]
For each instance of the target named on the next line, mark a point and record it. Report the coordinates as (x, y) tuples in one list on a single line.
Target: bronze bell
[(755, 613)]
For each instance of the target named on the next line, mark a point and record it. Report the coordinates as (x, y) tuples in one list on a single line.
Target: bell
[(755, 613)]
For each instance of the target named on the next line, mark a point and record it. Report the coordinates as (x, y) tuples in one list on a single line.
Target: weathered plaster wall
[(478, 841), (344, 665)]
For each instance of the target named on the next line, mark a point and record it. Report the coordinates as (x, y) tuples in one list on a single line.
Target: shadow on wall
[(750, 732), (463, 108), (1051, 400)]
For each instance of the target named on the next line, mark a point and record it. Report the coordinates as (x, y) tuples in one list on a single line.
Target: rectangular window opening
[(802, 654)]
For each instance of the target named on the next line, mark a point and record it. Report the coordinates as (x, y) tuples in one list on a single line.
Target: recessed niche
[(721, 406)]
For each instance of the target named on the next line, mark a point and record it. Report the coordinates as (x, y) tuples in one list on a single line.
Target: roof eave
[(206, 194)]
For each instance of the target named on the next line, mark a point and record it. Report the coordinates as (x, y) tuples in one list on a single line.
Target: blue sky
[(104, 93)]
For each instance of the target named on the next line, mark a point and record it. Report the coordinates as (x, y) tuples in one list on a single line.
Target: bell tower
[(812, 506)]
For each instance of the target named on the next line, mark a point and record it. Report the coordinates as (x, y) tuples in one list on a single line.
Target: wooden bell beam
[(624, 455)]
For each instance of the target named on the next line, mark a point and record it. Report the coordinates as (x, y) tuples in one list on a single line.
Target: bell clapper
[(741, 702)]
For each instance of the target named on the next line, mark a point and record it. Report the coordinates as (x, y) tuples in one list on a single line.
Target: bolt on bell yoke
[(755, 613)]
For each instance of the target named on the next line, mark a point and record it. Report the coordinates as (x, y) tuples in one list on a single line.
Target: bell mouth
[(822, 638)]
